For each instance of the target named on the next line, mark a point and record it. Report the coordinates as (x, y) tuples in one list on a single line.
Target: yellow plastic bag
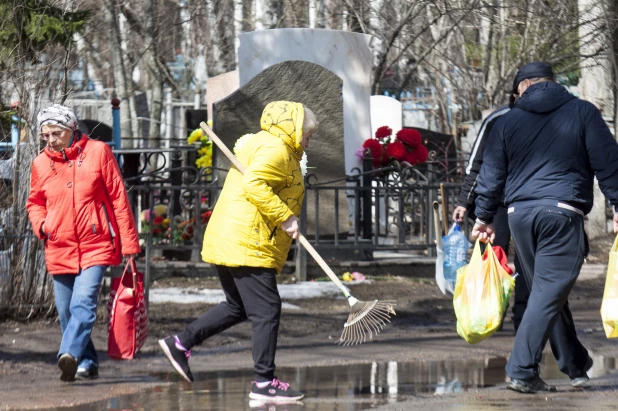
[(482, 293), (609, 306)]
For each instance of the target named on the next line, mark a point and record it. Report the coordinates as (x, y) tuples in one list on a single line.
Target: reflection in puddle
[(601, 366), (344, 387)]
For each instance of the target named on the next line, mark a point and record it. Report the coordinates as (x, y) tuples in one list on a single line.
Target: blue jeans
[(76, 302)]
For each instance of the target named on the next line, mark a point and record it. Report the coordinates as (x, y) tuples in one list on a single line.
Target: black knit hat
[(532, 70)]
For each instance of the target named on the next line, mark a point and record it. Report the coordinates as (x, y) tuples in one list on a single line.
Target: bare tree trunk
[(226, 33), (156, 77), (118, 68), (296, 13), (612, 24), (489, 45), (248, 22), (333, 14)]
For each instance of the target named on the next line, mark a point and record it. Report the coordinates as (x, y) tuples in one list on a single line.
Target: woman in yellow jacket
[(248, 238)]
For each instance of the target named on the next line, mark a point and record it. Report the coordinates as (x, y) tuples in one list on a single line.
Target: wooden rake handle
[(305, 243)]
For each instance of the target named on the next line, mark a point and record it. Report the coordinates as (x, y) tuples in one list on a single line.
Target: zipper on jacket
[(109, 225)]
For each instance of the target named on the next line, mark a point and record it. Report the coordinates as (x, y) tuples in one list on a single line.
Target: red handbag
[(128, 318)]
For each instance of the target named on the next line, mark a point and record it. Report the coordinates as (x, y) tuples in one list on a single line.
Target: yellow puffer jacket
[(244, 227)]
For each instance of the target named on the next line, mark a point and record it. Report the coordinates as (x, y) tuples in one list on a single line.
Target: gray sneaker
[(583, 381)]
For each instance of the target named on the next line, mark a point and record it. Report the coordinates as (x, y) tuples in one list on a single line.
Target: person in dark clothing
[(467, 195), (543, 155)]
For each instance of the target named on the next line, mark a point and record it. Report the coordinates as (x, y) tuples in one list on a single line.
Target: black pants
[(503, 239), (251, 293), (551, 245)]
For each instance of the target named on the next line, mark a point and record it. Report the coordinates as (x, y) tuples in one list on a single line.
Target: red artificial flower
[(410, 137), (383, 132), (410, 158), (421, 153), (396, 150), (158, 220), (156, 231), (377, 152), (205, 217)]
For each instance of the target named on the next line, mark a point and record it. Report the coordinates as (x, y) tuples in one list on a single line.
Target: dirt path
[(423, 329)]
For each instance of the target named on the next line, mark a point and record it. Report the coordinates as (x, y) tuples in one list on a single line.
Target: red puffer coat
[(84, 205)]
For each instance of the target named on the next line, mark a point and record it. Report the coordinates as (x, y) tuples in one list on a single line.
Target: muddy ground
[(424, 328)]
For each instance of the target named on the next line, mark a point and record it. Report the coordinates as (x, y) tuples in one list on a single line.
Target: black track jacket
[(467, 195)]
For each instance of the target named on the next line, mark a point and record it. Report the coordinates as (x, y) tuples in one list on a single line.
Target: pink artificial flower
[(358, 276)]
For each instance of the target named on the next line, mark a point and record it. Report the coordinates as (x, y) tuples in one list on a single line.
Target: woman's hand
[(290, 226)]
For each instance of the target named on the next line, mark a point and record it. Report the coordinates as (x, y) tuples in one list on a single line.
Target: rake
[(367, 318)]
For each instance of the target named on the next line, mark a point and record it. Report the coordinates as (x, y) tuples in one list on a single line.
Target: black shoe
[(581, 381), (177, 357), (68, 364), (87, 373), (275, 391), (530, 385)]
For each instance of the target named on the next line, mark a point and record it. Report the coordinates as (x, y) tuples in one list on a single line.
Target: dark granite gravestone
[(321, 91), (143, 112)]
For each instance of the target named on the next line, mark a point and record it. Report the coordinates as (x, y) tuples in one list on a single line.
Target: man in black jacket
[(467, 195), (544, 155)]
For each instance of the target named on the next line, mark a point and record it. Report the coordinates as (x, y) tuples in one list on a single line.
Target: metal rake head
[(366, 319)]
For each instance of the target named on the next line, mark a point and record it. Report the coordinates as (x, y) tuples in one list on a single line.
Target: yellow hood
[(284, 119)]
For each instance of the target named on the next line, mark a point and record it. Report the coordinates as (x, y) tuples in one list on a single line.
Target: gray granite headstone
[(318, 89)]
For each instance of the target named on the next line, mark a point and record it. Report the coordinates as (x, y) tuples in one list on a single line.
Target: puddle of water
[(601, 366), (333, 388), (345, 387)]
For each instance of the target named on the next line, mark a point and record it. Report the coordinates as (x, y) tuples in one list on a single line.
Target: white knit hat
[(58, 115)]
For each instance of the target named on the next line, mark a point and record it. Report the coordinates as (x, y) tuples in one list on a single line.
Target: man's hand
[(616, 223), (459, 213), (484, 232), (290, 226)]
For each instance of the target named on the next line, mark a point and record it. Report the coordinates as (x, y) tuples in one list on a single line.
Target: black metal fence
[(388, 209)]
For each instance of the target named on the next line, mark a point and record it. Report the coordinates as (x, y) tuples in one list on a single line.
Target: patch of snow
[(210, 296)]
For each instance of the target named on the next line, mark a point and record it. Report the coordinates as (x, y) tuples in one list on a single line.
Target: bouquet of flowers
[(177, 230), (406, 146), (160, 223), (205, 149)]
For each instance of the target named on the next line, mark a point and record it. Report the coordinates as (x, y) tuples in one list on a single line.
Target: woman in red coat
[(79, 206)]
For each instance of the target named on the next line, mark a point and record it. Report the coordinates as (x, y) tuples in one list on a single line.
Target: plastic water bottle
[(455, 247)]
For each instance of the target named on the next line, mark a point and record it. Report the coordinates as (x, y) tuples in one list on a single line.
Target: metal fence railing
[(392, 213)]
